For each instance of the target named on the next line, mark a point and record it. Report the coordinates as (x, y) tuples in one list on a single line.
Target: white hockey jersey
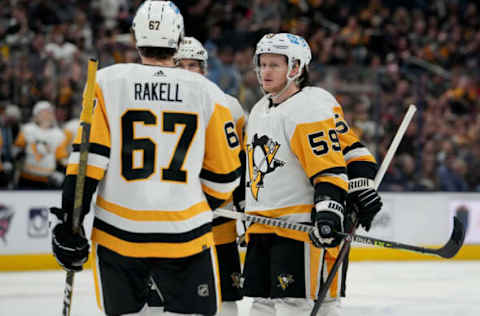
[(43, 148), (161, 138), (289, 149)]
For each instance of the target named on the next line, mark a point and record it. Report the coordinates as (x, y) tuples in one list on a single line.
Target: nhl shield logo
[(202, 290)]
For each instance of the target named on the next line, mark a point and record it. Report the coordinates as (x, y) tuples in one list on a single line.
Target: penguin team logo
[(284, 280), (40, 149), (261, 161), (237, 280)]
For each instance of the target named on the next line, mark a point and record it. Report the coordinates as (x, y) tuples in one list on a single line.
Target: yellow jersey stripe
[(363, 158), (275, 213), (153, 249), (92, 171), (153, 215), (216, 194), (225, 233), (333, 180)]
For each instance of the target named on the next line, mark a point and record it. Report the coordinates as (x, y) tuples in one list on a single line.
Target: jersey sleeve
[(61, 152), (359, 160), (20, 140), (69, 135), (220, 173), (318, 149), (97, 161), (240, 119), (240, 129), (99, 149)]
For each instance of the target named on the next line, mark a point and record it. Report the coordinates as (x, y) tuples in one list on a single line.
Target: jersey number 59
[(320, 144)]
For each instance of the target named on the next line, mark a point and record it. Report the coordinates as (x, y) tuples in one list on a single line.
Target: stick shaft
[(86, 119), (394, 145)]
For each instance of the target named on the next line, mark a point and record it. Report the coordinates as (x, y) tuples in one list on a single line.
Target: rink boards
[(423, 219)]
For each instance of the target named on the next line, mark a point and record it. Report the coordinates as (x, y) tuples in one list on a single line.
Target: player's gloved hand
[(327, 217), (8, 167), (70, 250), (239, 206), (241, 233), (364, 199)]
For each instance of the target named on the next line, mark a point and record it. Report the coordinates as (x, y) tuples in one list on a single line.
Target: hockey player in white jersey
[(192, 56), (301, 156), (44, 148), (162, 159)]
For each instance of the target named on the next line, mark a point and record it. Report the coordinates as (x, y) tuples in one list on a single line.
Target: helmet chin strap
[(275, 98)]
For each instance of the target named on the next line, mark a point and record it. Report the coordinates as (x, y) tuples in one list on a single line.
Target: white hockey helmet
[(158, 24), (40, 106), (191, 48), (294, 47)]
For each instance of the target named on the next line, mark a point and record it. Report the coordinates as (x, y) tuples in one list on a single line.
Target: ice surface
[(438, 288)]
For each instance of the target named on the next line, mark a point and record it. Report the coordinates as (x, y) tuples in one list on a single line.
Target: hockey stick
[(86, 120), (322, 292), (448, 250)]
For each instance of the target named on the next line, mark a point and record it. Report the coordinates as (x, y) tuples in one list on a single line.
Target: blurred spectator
[(473, 163), (110, 10), (250, 91), (4, 173), (18, 32), (451, 174), (10, 127), (58, 46), (427, 178), (222, 71)]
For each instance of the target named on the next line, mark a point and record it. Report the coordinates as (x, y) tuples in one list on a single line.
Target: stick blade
[(455, 242)]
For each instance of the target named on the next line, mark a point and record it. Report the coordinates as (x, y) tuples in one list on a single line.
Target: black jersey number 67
[(148, 147)]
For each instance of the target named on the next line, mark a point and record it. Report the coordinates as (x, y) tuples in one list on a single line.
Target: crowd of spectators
[(375, 56)]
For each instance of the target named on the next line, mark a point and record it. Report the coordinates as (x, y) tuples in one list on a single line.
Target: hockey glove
[(70, 250), (364, 199), (327, 217)]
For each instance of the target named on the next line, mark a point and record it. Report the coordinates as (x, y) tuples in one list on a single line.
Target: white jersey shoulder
[(197, 85), (235, 107), (32, 131), (72, 125), (309, 105)]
